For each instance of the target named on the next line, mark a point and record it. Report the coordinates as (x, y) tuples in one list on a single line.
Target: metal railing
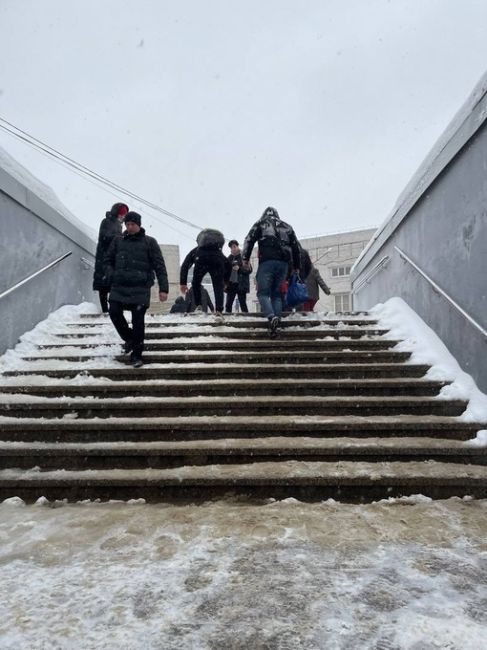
[(34, 275), (437, 288), (87, 264), (381, 264)]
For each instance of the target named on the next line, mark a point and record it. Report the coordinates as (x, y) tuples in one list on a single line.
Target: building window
[(342, 301), (340, 271)]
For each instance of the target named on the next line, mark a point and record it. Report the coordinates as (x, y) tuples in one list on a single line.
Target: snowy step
[(144, 407), (227, 370), (251, 356), (228, 333), (215, 343), (212, 322), (252, 314), (162, 454), (190, 427), (284, 386), (331, 408), (302, 479)]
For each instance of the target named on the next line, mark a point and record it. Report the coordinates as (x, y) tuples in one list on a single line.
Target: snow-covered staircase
[(330, 409)]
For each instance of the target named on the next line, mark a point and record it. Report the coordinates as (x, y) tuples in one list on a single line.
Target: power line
[(54, 153), (102, 186)]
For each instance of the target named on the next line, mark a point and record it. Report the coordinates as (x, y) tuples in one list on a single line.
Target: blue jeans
[(270, 275)]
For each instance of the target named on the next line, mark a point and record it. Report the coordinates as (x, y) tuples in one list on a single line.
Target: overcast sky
[(214, 109)]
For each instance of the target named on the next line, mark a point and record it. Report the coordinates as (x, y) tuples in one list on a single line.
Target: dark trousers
[(233, 291), (136, 334), (216, 269), (103, 300)]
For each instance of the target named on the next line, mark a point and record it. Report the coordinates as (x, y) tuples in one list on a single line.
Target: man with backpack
[(130, 263), (207, 257), (278, 247)]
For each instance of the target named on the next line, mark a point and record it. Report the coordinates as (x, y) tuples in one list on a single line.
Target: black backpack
[(276, 234), (210, 239)]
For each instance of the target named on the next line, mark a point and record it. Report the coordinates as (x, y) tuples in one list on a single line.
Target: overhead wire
[(101, 186), (82, 169)]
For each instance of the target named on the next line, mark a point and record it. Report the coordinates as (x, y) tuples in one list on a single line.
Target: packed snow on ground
[(403, 574)]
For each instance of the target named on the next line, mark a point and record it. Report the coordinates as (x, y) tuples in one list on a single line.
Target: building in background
[(170, 253), (333, 255)]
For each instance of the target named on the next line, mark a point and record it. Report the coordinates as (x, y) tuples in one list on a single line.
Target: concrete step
[(246, 323), (327, 410), (243, 344), (344, 480), (235, 334), (190, 427), (285, 386), (233, 370), (254, 314), (162, 454), (251, 356), (147, 407)]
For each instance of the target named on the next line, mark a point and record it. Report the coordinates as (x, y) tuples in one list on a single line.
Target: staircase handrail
[(33, 275), (378, 267), (87, 263), (443, 293)]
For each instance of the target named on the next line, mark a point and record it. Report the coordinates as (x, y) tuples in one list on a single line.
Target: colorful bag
[(297, 293)]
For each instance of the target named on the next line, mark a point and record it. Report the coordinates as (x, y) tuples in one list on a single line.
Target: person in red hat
[(110, 227)]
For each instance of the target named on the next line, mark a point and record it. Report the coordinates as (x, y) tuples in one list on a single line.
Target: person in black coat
[(206, 259), (110, 227), (190, 302), (187, 304), (130, 264), (179, 306), (239, 281)]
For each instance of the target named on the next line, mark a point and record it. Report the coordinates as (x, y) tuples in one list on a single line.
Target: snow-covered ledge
[(38, 229), (440, 223)]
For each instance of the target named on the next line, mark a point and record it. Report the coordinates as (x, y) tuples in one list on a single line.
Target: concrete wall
[(34, 233), (331, 251), (440, 222), (170, 252)]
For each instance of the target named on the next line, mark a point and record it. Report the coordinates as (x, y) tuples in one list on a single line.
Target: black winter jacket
[(130, 263), (205, 257), (243, 277), (110, 227), (190, 304), (282, 246)]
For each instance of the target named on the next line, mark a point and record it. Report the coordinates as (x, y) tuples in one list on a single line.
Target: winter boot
[(274, 324)]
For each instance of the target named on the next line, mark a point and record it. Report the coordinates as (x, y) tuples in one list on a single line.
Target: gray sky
[(214, 109)]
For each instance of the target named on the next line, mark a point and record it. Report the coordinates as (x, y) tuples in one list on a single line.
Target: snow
[(265, 473), (399, 574), (426, 347)]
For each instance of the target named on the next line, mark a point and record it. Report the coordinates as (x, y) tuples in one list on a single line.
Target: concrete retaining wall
[(34, 233), (440, 222)]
